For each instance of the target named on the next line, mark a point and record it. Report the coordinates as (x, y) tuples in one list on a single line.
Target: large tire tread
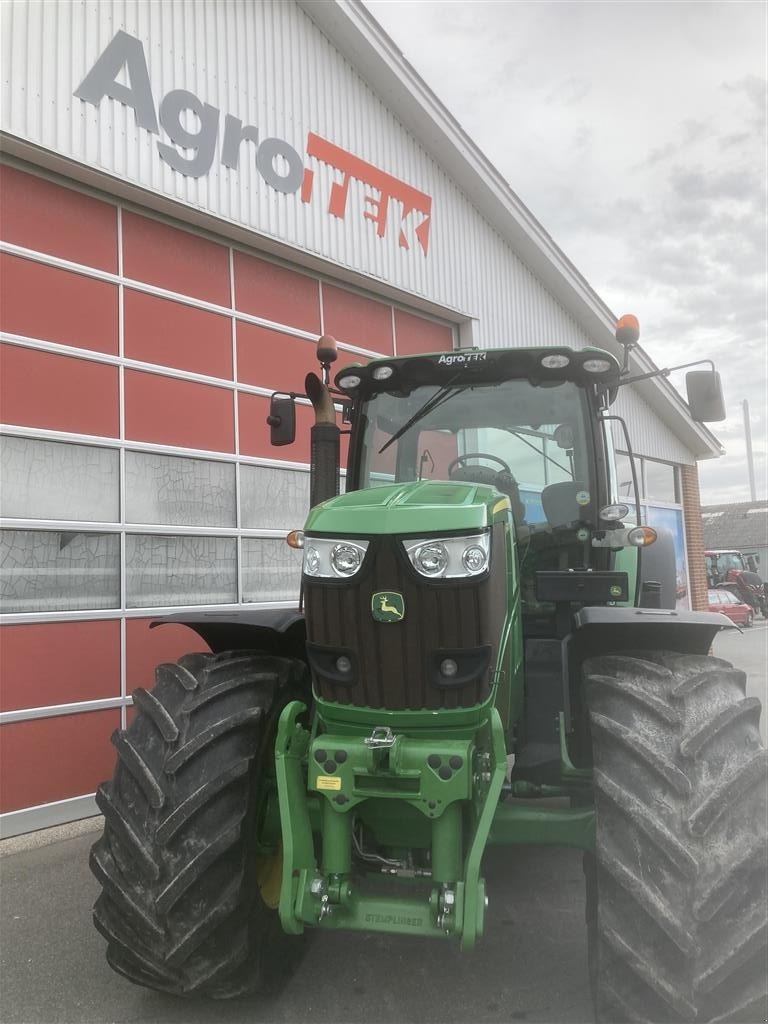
[(677, 904), (179, 906)]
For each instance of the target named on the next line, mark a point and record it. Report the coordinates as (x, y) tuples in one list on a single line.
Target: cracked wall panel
[(171, 491), (271, 570), (50, 480), (42, 570), (165, 571), (273, 499)]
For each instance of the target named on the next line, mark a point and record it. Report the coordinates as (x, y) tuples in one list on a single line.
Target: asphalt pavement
[(530, 965), (748, 650)]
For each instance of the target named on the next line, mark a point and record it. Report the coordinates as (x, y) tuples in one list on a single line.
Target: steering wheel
[(461, 463), (501, 479)]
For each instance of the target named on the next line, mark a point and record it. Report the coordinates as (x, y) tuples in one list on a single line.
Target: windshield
[(729, 560), (488, 433)]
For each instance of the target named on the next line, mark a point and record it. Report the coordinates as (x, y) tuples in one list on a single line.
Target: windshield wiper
[(445, 392)]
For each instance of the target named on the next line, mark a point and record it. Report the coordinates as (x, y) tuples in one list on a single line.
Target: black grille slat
[(393, 658)]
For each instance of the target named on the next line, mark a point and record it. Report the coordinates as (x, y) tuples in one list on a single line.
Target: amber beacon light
[(628, 329)]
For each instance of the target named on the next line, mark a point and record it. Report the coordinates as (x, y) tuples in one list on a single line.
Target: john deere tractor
[(486, 652)]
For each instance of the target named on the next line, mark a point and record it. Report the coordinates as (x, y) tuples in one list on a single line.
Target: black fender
[(608, 630), (272, 630), (603, 630)]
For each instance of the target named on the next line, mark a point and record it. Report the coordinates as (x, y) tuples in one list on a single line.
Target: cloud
[(569, 91), (636, 134)]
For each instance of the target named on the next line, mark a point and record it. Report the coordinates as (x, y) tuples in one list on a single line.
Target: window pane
[(173, 491), (49, 571), (271, 570), (180, 570), (626, 488), (273, 499), (51, 480), (660, 481)]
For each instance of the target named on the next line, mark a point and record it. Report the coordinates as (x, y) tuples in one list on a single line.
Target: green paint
[(419, 507), (298, 844), (490, 778), (446, 845), (522, 824), (347, 719), (408, 772)]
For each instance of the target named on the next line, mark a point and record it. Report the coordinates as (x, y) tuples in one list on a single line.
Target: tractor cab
[(525, 422)]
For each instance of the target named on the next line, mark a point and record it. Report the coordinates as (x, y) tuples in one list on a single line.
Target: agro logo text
[(462, 359), (192, 153)]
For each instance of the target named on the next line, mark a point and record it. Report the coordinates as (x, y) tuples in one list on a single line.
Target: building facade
[(190, 194), (740, 526)]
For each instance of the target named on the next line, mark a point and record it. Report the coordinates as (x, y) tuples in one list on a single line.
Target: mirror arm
[(665, 372)]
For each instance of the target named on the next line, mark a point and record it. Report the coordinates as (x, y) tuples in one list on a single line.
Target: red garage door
[(136, 364)]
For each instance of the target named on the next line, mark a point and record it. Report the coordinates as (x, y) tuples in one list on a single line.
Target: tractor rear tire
[(677, 906), (188, 902)]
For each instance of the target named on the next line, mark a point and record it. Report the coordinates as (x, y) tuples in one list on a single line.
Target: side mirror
[(705, 396), (282, 419), (563, 436)]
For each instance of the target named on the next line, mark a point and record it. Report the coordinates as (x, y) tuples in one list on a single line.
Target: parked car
[(725, 601)]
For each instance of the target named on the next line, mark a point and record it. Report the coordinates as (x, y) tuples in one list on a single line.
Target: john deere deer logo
[(387, 606)]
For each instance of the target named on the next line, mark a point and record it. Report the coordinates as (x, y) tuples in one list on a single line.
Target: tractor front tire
[(188, 902), (676, 892)]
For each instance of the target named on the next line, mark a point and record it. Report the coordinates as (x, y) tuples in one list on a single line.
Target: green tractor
[(486, 653)]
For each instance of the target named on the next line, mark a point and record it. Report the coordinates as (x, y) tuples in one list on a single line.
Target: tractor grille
[(394, 663)]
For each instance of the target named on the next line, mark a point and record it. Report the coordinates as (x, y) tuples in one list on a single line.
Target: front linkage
[(321, 781), (327, 777)]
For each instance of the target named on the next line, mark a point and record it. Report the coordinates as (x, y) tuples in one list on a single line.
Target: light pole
[(750, 460)]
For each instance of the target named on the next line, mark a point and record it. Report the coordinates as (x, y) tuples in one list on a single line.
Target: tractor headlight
[(431, 559), (346, 559), (450, 557), (332, 558)]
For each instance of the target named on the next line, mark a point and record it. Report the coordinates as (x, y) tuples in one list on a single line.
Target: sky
[(635, 132)]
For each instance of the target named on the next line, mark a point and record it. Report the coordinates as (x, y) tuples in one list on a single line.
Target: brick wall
[(694, 529)]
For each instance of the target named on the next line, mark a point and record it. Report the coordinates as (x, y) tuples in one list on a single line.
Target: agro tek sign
[(192, 153)]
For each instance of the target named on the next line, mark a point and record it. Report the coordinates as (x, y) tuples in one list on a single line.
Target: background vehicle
[(484, 655), (739, 574), (727, 603)]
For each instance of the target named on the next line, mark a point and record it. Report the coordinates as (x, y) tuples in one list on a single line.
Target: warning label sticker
[(328, 782)]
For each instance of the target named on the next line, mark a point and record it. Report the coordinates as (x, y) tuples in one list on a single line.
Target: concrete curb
[(46, 836)]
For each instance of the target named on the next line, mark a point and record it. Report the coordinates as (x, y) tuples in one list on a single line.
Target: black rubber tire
[(676, 892), (180, 905)]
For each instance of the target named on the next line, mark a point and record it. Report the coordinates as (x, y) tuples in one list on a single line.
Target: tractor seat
[(564, 503)]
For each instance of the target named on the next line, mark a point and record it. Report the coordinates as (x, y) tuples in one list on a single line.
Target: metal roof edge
[(363, 42)]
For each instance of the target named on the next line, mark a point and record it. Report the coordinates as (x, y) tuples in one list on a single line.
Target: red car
[(726, 602)]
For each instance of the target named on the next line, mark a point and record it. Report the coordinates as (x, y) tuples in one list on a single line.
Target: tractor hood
[(420, 507)]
